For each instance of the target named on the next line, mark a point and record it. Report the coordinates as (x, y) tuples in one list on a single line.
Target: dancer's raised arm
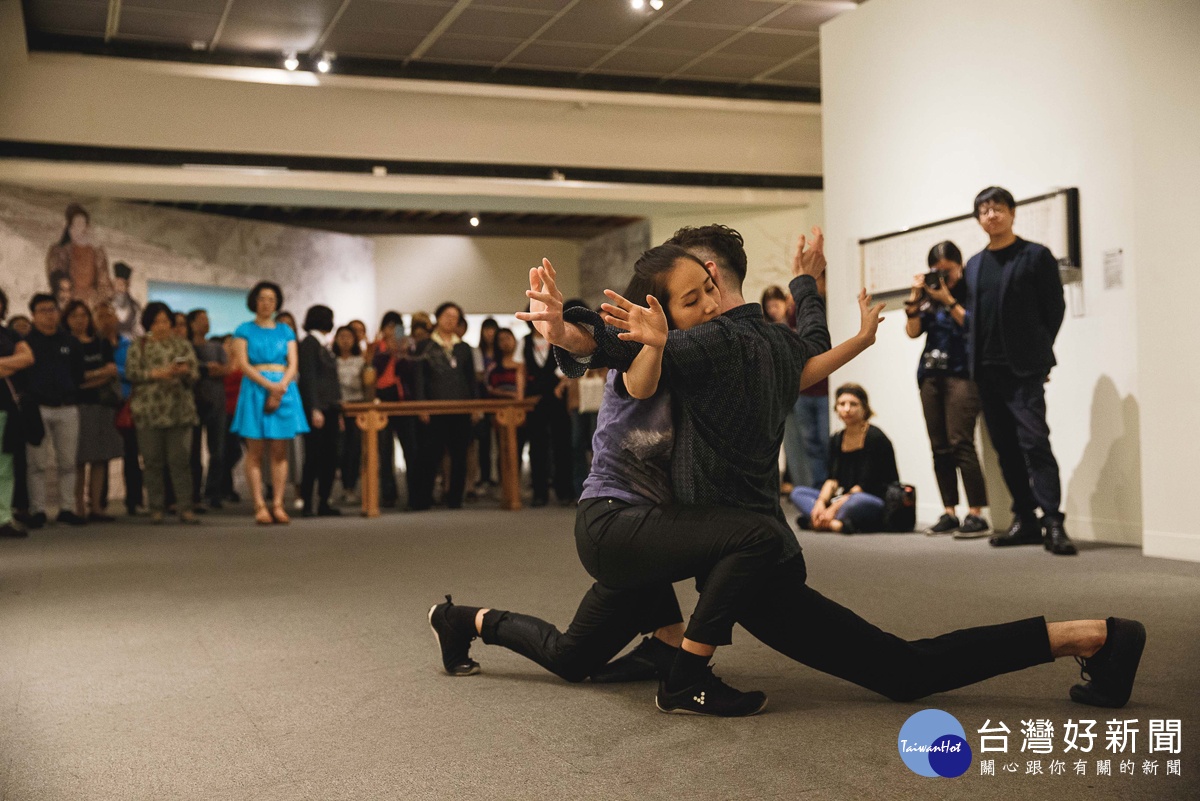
[(647, 326), (546, 313), (823, 365)]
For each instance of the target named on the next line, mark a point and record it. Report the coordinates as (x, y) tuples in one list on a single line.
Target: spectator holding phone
[(163, 369), (949, 397)]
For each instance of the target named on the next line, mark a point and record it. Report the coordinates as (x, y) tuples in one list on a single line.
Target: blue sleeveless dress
[(267, 346)]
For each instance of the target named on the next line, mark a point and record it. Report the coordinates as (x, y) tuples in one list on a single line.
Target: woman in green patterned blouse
[(162, 368)]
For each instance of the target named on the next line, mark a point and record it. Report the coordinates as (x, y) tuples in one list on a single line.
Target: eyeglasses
[(997, 209)]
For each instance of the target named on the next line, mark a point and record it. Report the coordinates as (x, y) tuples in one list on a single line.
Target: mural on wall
[(77, 266), (99, 249)]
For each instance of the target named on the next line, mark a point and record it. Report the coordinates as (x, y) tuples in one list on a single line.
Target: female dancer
[(628, 534), (790, 617)]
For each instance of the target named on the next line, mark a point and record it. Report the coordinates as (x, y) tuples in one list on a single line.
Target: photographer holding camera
[(949, 397)]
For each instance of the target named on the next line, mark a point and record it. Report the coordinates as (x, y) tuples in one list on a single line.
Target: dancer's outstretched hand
[(640, 324), (870, 316), (810, 256), (545, 304)]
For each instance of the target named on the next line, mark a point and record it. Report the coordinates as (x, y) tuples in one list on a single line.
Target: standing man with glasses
[(1017, 306)]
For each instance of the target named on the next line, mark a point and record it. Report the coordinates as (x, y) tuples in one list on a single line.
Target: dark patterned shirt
[(735, 379)]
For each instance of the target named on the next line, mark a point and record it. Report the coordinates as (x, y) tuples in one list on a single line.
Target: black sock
[(687, 670), (462, 619), (662, 653)]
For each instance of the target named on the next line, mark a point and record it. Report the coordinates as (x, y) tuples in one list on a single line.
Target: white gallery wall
[(1035, 96), (770, 236), (1166, 207), (484, 275)]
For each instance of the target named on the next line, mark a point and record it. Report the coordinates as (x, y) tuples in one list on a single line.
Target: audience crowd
[(180, 409), (84, 385)]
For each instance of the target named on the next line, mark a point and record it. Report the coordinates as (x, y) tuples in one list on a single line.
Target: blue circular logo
[(933, 743)]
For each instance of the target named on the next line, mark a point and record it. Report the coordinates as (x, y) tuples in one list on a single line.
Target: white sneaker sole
[(472, 672), (682, 711), (972, 535)]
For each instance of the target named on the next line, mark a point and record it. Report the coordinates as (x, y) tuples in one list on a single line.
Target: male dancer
[(722, 374)]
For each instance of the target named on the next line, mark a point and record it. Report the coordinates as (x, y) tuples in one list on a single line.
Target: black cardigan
[(1031, 309), (871, 467), (441, 377), (317, 376)]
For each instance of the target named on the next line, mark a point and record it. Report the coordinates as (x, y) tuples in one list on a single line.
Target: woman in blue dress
[(269, 407)]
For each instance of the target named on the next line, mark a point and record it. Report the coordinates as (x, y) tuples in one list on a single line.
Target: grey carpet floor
[(229, 661)]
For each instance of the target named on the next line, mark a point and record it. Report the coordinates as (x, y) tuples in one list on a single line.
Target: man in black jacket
[(1017, 307), (322, 396)]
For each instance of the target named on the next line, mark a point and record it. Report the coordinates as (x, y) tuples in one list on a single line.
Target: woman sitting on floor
[(861, 465)]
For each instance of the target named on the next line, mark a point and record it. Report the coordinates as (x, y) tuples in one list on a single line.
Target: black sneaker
[(325, 510), (70, 518), (13, 530), (710, 696), (1111, 670), (651, 659), (36, 520), (972, 528), (1021, 532), (455, 645), (804, 522), (944, 525)]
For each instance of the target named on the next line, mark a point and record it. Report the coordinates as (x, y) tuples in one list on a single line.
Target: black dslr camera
[(934, 279)]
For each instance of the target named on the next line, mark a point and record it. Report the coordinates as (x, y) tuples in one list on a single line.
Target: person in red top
[(393, 363)]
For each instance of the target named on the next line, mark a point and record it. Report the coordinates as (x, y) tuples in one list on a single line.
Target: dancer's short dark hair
[(718, 243)]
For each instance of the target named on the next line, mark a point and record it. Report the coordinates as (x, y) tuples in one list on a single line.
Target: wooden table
[(373, 418)]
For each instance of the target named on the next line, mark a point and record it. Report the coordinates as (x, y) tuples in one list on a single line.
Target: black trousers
[(212, 426), (951, 406), (547, 429), (1014, 409), (605, 622), (783, 612), (626, 546), (483, 435), (404, 429), (21, 480), (231, 456), (349, 456), (131, 468), (320, 461), (444, 433)]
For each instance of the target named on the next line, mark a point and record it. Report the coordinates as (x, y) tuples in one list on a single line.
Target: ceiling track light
[(640, 5), (325, 63), (474, 221), (656, 4), (290, 61)]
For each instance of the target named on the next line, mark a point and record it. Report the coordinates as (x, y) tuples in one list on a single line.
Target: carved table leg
[(507, 421), (371, 423)]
